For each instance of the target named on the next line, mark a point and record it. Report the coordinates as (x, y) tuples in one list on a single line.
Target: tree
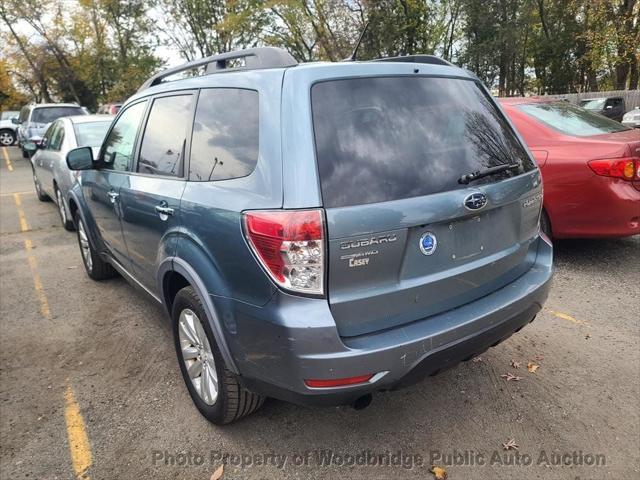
[(10, 97)]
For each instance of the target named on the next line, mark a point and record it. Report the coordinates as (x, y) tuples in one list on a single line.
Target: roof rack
[(432, 59), (254, 59)]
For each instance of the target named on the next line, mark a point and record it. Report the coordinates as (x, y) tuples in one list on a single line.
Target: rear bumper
[(291, 339), (603, 207)]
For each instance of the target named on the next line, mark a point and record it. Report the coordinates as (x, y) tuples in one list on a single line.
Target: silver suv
[(317, 232), (35, 118)]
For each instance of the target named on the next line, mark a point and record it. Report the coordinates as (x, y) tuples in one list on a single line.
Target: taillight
[(290, 246), (624, 168)]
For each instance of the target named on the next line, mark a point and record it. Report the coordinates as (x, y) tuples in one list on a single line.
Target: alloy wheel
[(6, 139), (84, 246), (37, 184), (198, 356), (63, 212)]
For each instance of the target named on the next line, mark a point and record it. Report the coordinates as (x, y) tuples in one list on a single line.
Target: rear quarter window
[(225, 137)]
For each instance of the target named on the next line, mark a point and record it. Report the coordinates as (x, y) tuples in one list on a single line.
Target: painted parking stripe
[(7, 160), (568, 318), (24, 226), (33, 262), (79, 447), (37, 282), (11, 194)]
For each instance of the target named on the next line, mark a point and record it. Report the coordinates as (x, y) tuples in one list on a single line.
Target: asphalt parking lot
[(90, 386)]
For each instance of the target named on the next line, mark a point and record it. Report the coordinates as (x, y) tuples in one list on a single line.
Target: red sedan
[(590, 168)]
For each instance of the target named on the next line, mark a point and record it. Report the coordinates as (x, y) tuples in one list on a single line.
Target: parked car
[(51, 176), (632, 118), (610, 107), (317, 233), (34, 119), (590, 168), (110, 108), (8, 133)]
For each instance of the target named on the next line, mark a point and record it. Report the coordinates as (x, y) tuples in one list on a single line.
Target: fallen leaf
[(510, 376), (515, 364), (532, 367), (217, 475), (477, 359), (510, 445), (439, 473)]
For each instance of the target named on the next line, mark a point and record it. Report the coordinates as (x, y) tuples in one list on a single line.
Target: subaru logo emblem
[(428, 243), (475, 201)]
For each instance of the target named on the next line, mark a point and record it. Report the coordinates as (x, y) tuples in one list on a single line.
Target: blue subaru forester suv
[(317, 232)]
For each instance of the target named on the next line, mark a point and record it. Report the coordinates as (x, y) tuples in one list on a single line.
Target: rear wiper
[(470, 177)]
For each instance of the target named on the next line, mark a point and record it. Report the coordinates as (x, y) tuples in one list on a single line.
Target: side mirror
[(30, 147), (80, 159), (15, 121)]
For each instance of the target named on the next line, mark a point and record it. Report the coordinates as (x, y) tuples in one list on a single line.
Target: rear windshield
[(90, 134), (49, 114), (572, 120), (388, 138)]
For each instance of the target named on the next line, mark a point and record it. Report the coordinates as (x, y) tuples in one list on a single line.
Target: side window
[(164, 138), (224, 144), (118, 147), (57, 136)]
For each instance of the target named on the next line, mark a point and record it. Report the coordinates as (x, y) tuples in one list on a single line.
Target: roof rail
[(254, 59), (432, 59)]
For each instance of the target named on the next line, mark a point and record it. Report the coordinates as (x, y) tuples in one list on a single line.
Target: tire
[(231, 402), (96, 268), (25, 154), (67, 223), (43, 197), (545, 224), (7, 138)]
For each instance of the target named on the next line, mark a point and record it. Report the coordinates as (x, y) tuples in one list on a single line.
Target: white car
[(8, 133), (632, 118)]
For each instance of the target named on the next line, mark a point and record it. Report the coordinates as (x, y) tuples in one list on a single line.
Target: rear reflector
[(290, 246), (338, 382), (624, 168)]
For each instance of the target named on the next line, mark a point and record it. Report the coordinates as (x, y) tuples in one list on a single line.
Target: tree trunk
[(634, 73)]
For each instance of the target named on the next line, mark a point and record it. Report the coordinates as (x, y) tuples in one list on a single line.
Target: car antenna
[(354, 54)]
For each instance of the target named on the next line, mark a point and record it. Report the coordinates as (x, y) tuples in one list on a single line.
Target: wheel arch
[(176, 273)]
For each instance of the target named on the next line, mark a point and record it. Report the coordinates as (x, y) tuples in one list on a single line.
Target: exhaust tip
[(362, 402)]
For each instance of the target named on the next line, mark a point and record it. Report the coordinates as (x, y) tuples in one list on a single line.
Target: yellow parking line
[(33, 263), (11, 194), (5, 154), (79, 447), (568, 318), (24, 226), (37, 282)]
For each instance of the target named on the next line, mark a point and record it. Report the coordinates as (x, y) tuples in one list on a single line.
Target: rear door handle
[(113, 196), (164, 211)]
